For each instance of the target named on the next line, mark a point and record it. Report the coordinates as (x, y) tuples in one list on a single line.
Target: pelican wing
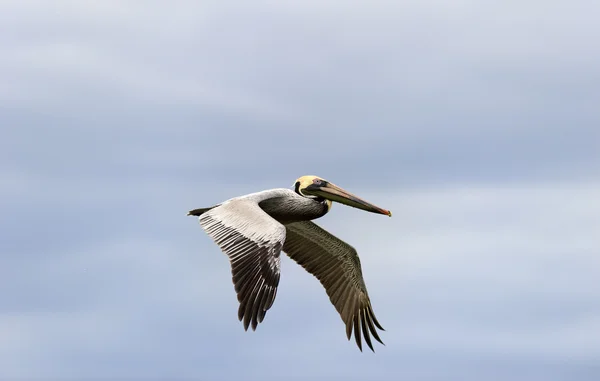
[(337, 266), (252, 240)]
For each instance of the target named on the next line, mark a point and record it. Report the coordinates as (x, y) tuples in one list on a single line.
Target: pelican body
[(252, 230)]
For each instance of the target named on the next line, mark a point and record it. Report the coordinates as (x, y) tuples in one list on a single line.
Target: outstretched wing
[(337, 266), (252, 240)]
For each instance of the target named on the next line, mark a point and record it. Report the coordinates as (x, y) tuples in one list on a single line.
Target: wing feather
[(337, 266), (253, 241)]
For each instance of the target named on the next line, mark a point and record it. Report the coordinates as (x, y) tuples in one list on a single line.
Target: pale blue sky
[(475, 123)]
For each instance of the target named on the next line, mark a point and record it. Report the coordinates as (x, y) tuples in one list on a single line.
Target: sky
[(475, 123)]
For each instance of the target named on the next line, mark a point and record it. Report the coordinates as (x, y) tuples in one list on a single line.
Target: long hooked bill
[(334, 193)]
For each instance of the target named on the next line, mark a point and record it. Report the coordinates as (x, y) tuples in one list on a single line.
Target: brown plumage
[(337, 266)]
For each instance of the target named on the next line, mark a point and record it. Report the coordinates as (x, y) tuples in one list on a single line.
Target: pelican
[(252, 230)]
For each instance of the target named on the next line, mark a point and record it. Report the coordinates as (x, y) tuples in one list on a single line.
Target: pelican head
[(316, 187)]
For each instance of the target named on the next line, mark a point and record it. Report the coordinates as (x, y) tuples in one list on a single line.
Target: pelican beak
[(334, 193)]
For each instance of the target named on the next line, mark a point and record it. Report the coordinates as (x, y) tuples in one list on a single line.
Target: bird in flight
[(252, 230)]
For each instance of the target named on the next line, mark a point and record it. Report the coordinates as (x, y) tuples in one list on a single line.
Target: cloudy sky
[(476, 123)]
